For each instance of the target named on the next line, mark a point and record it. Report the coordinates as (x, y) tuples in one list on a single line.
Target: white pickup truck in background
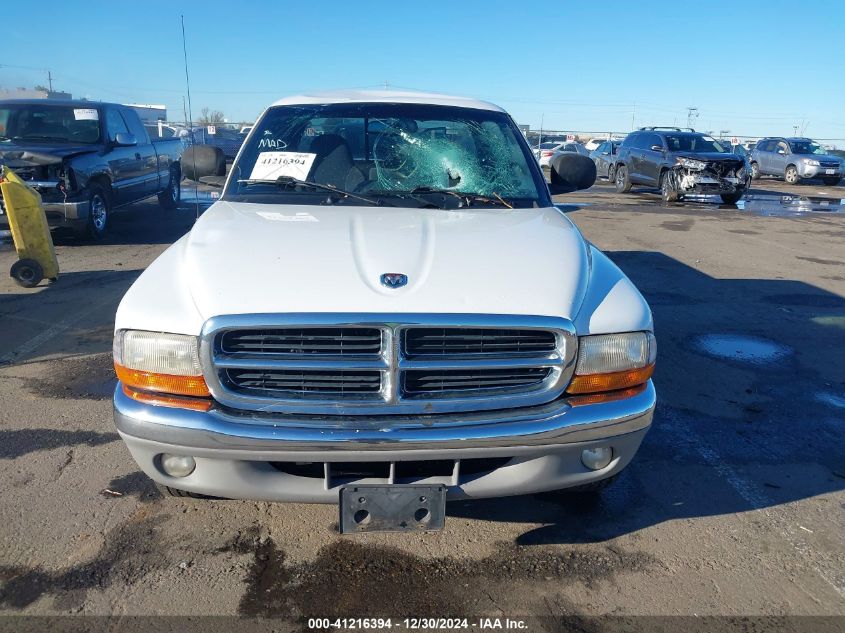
[(384, 310)]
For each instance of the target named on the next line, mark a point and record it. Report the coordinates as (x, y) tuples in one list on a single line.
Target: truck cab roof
[(386, 96)]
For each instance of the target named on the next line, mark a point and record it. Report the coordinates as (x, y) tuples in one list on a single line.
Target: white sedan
[(547, 153)]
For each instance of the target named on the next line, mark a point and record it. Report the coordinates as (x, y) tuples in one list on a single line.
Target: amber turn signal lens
[(610, 396), (164, 383), (594, 383), (164, 400)]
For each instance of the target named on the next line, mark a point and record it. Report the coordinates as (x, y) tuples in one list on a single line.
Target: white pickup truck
[(384, 309)]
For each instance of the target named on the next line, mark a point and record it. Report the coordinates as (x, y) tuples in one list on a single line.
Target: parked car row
[(682, 161)]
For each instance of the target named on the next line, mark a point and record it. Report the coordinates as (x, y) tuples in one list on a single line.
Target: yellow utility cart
[(30, 232)]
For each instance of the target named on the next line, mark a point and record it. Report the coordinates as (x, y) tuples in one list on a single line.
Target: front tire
[(755, 171), (611, 173), (732, 198), (623, 182), (167, 491), (791, 175), (99, 213), (667, 188), (170, 197)]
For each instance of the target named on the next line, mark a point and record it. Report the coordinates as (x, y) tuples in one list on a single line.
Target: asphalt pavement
[(734, 505)]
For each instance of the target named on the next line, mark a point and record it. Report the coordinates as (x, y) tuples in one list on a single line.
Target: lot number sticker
[(86, 114), (272, 165)]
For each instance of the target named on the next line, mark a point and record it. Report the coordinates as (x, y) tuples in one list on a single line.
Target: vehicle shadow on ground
[(742, 423), (142, 223), (71, 317)]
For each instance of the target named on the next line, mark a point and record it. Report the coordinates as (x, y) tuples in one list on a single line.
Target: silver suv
[(794, 159)]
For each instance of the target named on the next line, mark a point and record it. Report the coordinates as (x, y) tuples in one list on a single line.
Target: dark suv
[(680, 161)]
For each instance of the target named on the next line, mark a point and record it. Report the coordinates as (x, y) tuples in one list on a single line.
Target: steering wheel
[(393, 156)]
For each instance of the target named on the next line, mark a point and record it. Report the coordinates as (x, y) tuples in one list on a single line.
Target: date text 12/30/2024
[(375, 624)]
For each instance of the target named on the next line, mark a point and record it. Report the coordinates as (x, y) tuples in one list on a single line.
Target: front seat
[(333, 164)]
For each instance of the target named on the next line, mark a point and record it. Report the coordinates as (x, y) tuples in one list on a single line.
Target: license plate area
[(830, 171), (392, 508)]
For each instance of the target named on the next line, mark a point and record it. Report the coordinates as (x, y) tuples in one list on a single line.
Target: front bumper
[(818, 171), (703, 183), (245, 455), (58, 213)]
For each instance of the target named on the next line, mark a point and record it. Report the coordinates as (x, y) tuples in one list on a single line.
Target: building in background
[(149, 113), (33, 93)]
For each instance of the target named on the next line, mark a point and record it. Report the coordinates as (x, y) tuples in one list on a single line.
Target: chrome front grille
[(342, 364)]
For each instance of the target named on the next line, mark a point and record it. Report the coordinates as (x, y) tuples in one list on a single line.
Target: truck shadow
[(751, 412), (72, 317)]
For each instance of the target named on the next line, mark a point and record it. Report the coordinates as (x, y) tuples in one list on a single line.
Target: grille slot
[(304, 341), (304, 382), (435, 382), (452, 342)]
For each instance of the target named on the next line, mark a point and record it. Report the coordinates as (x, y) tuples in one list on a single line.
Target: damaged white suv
[(384, 310)]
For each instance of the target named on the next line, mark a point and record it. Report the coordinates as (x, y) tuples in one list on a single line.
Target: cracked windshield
[(400, 153)]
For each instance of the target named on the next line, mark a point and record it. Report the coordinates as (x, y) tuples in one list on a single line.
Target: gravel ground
[(734, 505)]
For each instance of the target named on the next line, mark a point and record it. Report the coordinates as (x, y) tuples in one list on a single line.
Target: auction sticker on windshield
[(86, 114), (270, 165)]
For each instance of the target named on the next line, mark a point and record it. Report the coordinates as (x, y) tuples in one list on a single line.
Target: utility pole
[(795, 130), (540, 140), (692, 115), (633, 116), (50, 80)]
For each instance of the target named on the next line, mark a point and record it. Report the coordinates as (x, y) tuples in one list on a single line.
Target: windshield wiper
[(287, 181), (36, 137), (466, 198)]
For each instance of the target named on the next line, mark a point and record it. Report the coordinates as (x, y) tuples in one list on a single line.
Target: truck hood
[(40, 153), (245, 258), (709, 156)]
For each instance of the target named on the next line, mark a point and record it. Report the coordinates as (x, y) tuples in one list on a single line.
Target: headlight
[(159, 362), (814, 163), (691, 163), (607, 362)]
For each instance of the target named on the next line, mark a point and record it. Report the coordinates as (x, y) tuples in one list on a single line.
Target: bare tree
[(209, 117)]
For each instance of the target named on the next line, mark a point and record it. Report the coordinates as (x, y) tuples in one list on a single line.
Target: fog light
[(596, 458), (178, 465)]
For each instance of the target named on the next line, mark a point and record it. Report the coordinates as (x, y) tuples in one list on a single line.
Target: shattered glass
[(469, 157), (390, 149)]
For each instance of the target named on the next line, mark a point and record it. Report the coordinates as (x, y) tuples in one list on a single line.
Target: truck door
[(124, 161), (145, 150)]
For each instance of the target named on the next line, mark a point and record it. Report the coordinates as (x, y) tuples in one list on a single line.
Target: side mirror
[(782, 152), (571, 172), (201, 161), (656, 148), (605, 153), (124, 139)]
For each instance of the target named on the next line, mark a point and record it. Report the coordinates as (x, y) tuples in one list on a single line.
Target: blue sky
[(750, 67)]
